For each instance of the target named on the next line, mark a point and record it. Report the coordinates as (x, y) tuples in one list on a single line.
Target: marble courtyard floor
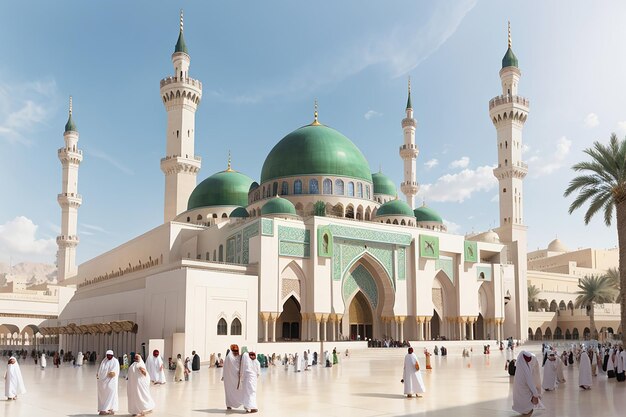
[(366, 385)]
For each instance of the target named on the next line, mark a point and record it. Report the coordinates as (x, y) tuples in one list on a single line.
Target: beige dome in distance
[(557, 246)]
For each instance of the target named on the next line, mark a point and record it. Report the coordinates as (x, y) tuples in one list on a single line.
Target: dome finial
[(510, 43), (180, 44), (409, 105), (181, 20), (315, 121), (229, 169), (70, 105)]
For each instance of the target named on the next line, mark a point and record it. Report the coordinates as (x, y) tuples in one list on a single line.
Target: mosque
[(315, 248)]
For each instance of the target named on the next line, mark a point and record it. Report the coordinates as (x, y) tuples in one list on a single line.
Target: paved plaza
[(366, 384)]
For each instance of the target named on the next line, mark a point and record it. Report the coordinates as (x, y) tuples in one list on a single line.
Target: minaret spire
[(315, 115), (69, 200), (229, 168), (409, 105), (409, 152), (181, 21), (510, 43)]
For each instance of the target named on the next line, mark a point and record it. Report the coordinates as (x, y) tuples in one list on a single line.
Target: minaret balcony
[(187, 81), (175, 163), (509, 99), (409, 122), (67, 241), (517, 170), (409, 151), (409, 187), (70, 199), (70, 155)]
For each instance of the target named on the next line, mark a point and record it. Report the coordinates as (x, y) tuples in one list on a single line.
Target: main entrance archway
[(361, 321), (290, 319)]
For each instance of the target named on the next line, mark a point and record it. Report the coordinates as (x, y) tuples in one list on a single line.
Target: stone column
[(471, 326), (499, 332), (420, 330), (428, 329), (338, 318), (265, 316), (318, 320), (274, 318), (401, 320), (332, 318), (324, 326), (304, 332)]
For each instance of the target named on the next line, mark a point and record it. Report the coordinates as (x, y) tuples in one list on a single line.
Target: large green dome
[(226, 188), (395, 208), (315, 150), (426, 214), (278, 205), (383, 185)]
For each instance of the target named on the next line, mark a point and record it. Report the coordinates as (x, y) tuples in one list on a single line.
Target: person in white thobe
[(620, 366), (297, 363), (231, 378), (250, 372), (155, 368), (560, 376), (412, 375), (584, 371), (13, 381), (550, 382), (42, 362), (179, 374), (79, 359), (108, 376), (525, 389), (140, 401), (310, 358)]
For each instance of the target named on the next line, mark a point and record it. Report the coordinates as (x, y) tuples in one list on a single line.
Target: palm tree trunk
[(592, 320), (621, 241)]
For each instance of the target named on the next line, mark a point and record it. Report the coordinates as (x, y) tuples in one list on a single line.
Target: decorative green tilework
[(248, 233), (346, 253), (429, 247), (368, 235), (446, 265), (324, 242), (471, 251), (293, 241), (230, 250), (360, 279), (267, 227), (401, 264), (483, 273)]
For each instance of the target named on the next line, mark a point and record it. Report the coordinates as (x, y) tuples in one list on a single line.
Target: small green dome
[(426, 214), (180, 44), (315, 150), (239, 212), (254, 186), (509, 59), (394, 208), (278, 205), (226, 188), (70, 126), (383, 185)]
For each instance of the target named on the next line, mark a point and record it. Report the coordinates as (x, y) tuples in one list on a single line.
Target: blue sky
[(262, 64)]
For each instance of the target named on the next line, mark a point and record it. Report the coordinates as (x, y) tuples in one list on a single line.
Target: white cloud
[(108, 158), (525, 148), (460, 186), (372, 114), (431, 163), (94, 227), (18, 238), (543, 167), (495, 198), (460, 163), (23, 107), (452, 227), (591, 120)]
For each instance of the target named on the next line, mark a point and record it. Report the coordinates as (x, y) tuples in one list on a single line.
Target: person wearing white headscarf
[(412, 375), (620, 365), (13, 382), (250, 372), (231, 377), (610, 365), (108, 375), (526, 392), (560, 376), (179, 374), (550, 372), (42, 362), (79, 359), (140, 401), (584, 371), (154, 364)]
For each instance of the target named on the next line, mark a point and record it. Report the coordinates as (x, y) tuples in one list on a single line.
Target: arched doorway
[(444, 304), (530, 334), (538, 334), (289, 321), (479, 328), (435, 325), (360, 315)]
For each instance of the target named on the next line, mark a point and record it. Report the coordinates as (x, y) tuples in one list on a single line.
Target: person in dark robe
[(436, 351), (571, 358), (605, 361), (511, 367), (195, 362)]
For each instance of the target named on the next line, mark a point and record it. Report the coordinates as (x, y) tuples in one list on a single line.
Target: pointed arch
[(292, 283)]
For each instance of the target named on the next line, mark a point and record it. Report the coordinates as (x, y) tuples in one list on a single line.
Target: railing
[(197, 158), (73, 195), (190, 81), (517, 164), (67, 150), (506, 99)]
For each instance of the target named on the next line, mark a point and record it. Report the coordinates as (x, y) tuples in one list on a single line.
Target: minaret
[(508, 112), (181, 96), (69, 200), (408, 153)]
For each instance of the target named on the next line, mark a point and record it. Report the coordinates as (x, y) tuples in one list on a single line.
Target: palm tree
[(603, 186), (533, 293), (593, 290), (613, 276)]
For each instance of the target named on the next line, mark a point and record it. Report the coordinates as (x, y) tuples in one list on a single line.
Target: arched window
[(235, 327), (314, 187), (350, 189), (199, 217), (275, 189), (328, 186), (208, 256), (359, 190), (222, 327), (367, 191), (297, 187), (339, 187), (221, 253), (284, 189), (214, 255)]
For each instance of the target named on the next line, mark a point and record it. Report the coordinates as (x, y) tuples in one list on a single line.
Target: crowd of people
[(591, 358)]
